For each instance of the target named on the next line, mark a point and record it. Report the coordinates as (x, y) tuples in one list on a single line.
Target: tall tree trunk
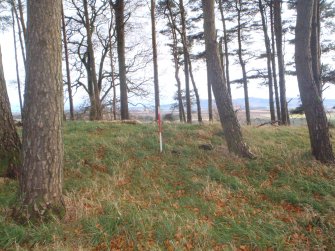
[(315, 46), (22, 43), (310, 97), (113, 78), (69, 85), (41, 176), (21, 18), (196, 93), (17, 64), (90, 90), (10, 147), (242, 63), (114, 101), (209, 95), (222, 56), (111, 56), (268, 58), (273, 61), (118, 7), (96, 107), (281, 66), (182, 117), (225, 41), (186, 62), (154, 54), (229, 122), (176, 62)]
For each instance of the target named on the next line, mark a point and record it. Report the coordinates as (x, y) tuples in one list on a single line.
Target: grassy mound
[(122, 194)]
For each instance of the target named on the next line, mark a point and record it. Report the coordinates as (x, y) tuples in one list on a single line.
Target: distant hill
[(260, 103), (257, 103)]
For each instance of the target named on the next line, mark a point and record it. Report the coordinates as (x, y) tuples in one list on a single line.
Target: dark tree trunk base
[(39, 212), (9, 166)]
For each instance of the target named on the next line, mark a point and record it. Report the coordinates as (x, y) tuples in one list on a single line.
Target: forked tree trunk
[(309, 92), (229, 122), (96, 107), (10, 146), (41, 176), (154, 54), (268, 59)]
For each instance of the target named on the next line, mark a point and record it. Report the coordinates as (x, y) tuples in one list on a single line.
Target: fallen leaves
[(298, 238), (292, 208), (120, 243)]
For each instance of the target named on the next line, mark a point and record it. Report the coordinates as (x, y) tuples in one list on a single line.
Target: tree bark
[(96, 107), (310, 96), (22, 42), (176, 62), (268, 59), (10, 146), (229, 122), (154, 54), (315, 46), (273, 61), (111, 56), (222, 56), (226, 52), (21, 18), (210, 98), (118, 7), (41, 177), (182, 117), (196, 93), (186, 62), (281, 65), (68, 76), (17, 64), (242, 63)]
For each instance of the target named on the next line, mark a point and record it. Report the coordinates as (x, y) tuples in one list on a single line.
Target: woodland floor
[(121, 194)]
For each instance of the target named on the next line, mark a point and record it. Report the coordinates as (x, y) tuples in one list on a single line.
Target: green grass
[(121, 193)]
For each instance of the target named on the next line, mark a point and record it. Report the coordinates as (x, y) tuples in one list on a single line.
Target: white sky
[(166, 74)]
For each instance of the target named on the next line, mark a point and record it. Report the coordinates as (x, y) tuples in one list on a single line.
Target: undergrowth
[(122, 194)]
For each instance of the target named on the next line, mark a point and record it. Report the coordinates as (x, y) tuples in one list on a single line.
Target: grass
[(121, 194)]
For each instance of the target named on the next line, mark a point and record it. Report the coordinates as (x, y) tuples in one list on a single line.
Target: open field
[(258, 116), (121, 194)]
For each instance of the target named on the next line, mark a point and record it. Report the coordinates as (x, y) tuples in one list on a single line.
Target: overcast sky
[(166, 71)]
